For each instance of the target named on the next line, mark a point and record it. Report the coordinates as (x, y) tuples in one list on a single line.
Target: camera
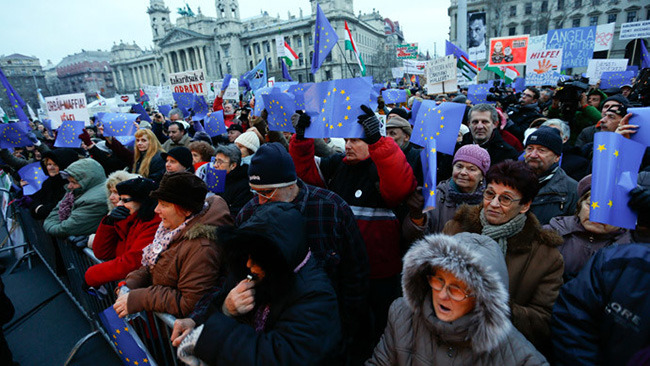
[(500, 94), (640, 95)]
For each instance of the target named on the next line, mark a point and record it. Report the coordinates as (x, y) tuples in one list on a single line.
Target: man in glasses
[(525, 112)]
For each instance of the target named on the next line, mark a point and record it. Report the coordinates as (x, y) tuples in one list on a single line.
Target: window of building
[(527, 28), (559, 24), (611, 18), (234, 13), (269, 63), (593, 20), (301, 60), (544, 6), (329, 58), (528, 9), (250, 65), (311, 56), (328, 75), (311, 39), (513, 10), (257, 48), (250, 50), (299, 41), (577, 4), (631, 16), (226, 51), (560, 4), (310, 76), (266, 46), (300, 78), (576, 22), (543, 28), (512, 31)]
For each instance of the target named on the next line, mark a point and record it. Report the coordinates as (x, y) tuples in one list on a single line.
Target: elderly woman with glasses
[(236, 191), (455, 308), (535, 265)]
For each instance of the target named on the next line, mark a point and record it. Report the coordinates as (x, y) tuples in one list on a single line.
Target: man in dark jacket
[(524, 113), (237, 191)]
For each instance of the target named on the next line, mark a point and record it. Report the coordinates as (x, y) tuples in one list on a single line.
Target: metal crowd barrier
[(153, 329)]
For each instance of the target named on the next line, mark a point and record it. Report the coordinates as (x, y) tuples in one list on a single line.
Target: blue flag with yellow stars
[(414, 110), (14, 98), (377, 87), (478, 93), (280, 106), (199, 108), (259, 101), (519, 84), (335, 105), (14, 135), (119, 124), (184, 102), (298, 91), (394, 96), (285, 71), (215, 179), (616, 79), (325, 39), (257, 77), (68, 134), (645, 56), (164, 109), (440, 123), (139, 109), (284, 85), (214, 124), (640, 117), (129, 346), (616, 163), (34, 176), (429, 169), (127, 141)]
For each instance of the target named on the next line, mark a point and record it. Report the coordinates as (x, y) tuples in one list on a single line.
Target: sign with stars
[(394, 96), (616, 162), (325, 39), (139, 109), (129, 346), (616, 79), (298, 91), (14, 135), (68, 134), (440, 123), (429, 169), (477, 94), (17, 103), (280, 107), (214, 124), (215, 179), (200, 108), (119, 124), (185, 102), (259, 101), (34, 176), (641, 117)]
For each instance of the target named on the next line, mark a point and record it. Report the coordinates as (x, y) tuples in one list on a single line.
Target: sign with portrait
[(508, 51), (476, 31)]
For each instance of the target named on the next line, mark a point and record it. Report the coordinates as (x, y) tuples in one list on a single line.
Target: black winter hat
[(182, 154), (272, 167), (400, 112), (548, 137), (621, 99), (137, 188), (182, 188), (62, 157), (236, 127), (202, 136)]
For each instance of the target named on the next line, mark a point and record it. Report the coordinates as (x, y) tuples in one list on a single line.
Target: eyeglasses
[(528, 95), (126, 200), (268, 193), (220, 162), (504, 200), (454, 292)]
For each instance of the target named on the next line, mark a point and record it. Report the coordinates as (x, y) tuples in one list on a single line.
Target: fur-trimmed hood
[(476, 260), (205, 224)]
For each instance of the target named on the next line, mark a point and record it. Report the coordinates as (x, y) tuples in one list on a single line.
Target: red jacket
[(121, 246), (218, 106)]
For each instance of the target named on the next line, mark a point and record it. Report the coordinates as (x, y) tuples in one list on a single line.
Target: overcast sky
[(53, 29)]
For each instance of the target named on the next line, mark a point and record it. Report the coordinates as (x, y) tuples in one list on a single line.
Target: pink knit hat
[(474, 154)]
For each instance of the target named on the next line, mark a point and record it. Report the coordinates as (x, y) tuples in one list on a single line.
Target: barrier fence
[(68, 263)]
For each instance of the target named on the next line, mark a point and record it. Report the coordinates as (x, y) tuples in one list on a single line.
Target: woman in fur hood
[(455, 308)]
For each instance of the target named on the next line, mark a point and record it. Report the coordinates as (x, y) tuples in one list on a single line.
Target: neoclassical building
[(227, 44)]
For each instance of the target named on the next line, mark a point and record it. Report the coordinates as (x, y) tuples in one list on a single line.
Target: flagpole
[(345, 59)]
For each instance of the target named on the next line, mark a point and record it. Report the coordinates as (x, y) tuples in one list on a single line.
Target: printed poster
[(192, 81), (543, 67), (508, 51), (67, 107)]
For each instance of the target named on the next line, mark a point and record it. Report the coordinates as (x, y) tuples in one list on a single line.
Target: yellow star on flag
[(594, 205), (601, 148)]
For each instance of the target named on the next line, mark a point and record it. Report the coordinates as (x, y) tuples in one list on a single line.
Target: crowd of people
[(319, 250)]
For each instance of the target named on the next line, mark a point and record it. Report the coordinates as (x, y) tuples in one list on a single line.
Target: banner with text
[(67, 107), (508, 51), (543, 67), (188, 82), (414, 67), (407, 51), (635, 30), (397, 72), (577, 45), (441, 75), (599, 66)]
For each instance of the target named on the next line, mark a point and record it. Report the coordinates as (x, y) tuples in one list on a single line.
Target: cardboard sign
[(125, 100), (577, 45), (597, 67), (635, 30), (407, 51), (543, 67), (508, 51), (188, 82), (441, 75), (414, 67), (397, 72), (604, 37), (67, 107)]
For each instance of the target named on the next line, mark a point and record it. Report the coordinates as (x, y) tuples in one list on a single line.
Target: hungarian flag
[(350, 45), (289, 55), (508, 73), (467, 68)]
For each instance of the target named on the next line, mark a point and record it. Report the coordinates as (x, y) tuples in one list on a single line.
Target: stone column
[(203, 59), (187, 59), (123, 85)]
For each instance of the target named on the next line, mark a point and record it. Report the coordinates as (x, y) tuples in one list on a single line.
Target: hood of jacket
[(88, 173), (476, 260), (205, 223)]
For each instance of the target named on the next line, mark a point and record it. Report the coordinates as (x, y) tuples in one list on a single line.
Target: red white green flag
[(289, 55), (350, 45)]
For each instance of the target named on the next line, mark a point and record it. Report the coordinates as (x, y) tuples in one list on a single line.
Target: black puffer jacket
[(237, 190), (53, 188)]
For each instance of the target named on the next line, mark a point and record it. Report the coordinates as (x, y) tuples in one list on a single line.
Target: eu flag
[(119, 124), (429, 169), (645, 55), (14, 135), (335, 105), (127, 141), (164, 109), (394, 96), (377, 87), (519, 84), (215, 179), (34, 176), (139, 109), (68, 134), (440, 123), (214, 124), (285, 72), (184, 101), (452, 49), (414, 110), (199, 108), (477, 94), (616, 79), (616, 162), (298, 91), (641, 118), (325, 39), (226, 81), (279, 106), (129, 346), (256, 78), (14, 98), (259, 101)]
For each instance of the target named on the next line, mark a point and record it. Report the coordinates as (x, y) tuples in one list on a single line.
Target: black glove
[(300, 122), (640, 199), (119, 213), (370, 124)]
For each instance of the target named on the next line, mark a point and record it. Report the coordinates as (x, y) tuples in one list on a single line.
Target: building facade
[(26, 76), (87, 72), (227, 44)]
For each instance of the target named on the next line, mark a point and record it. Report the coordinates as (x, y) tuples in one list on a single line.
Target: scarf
[(65, 207), (160, 242), (501, 233), (548, 174), (458, 197)]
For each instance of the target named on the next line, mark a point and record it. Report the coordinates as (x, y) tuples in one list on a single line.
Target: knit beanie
[(396, 121), (473, 154), (400, 112), (584, 185), (182, 154), (548, 137), (183, 189), (138, 188), (621, 99), (250, 140), (272, 167)]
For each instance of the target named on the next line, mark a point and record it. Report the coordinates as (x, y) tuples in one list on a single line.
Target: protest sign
[(125, 100), (414, 67), (397, 72), (597, 67), (604, 37), (577, 45), (635, 30), (536, 43), (67, 107), (407, 51), (508, 51), (476, 32), (543, 67), (441, 75), (192, 81), (232, 91)]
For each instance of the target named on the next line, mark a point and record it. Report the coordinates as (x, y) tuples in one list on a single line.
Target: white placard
[(598, 66), (604, 37), (279, 45), (397, 72), (635, 30), (446, 87), (543, 67), (67, 107), (125, 100), (192, 81), (232, 91), (414, 67), (536, 43)]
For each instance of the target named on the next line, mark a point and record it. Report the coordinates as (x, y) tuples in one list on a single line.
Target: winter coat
[(89, 203), (557, 197), (484, 336), (186, 271), (535, 269), (19, 162), (53, 188), (579, 244), (237, 190), (573, 163), (156, 167), (302, 326), (120, 244), (184, 142), (372, 188), (601, 316), (498, 149), (522, 116)]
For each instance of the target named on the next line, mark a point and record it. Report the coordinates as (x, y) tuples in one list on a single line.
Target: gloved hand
[(300, 122), (415, 203), (85, 137), (33, 139), (119, 213), (370, 124), (640, 199)]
